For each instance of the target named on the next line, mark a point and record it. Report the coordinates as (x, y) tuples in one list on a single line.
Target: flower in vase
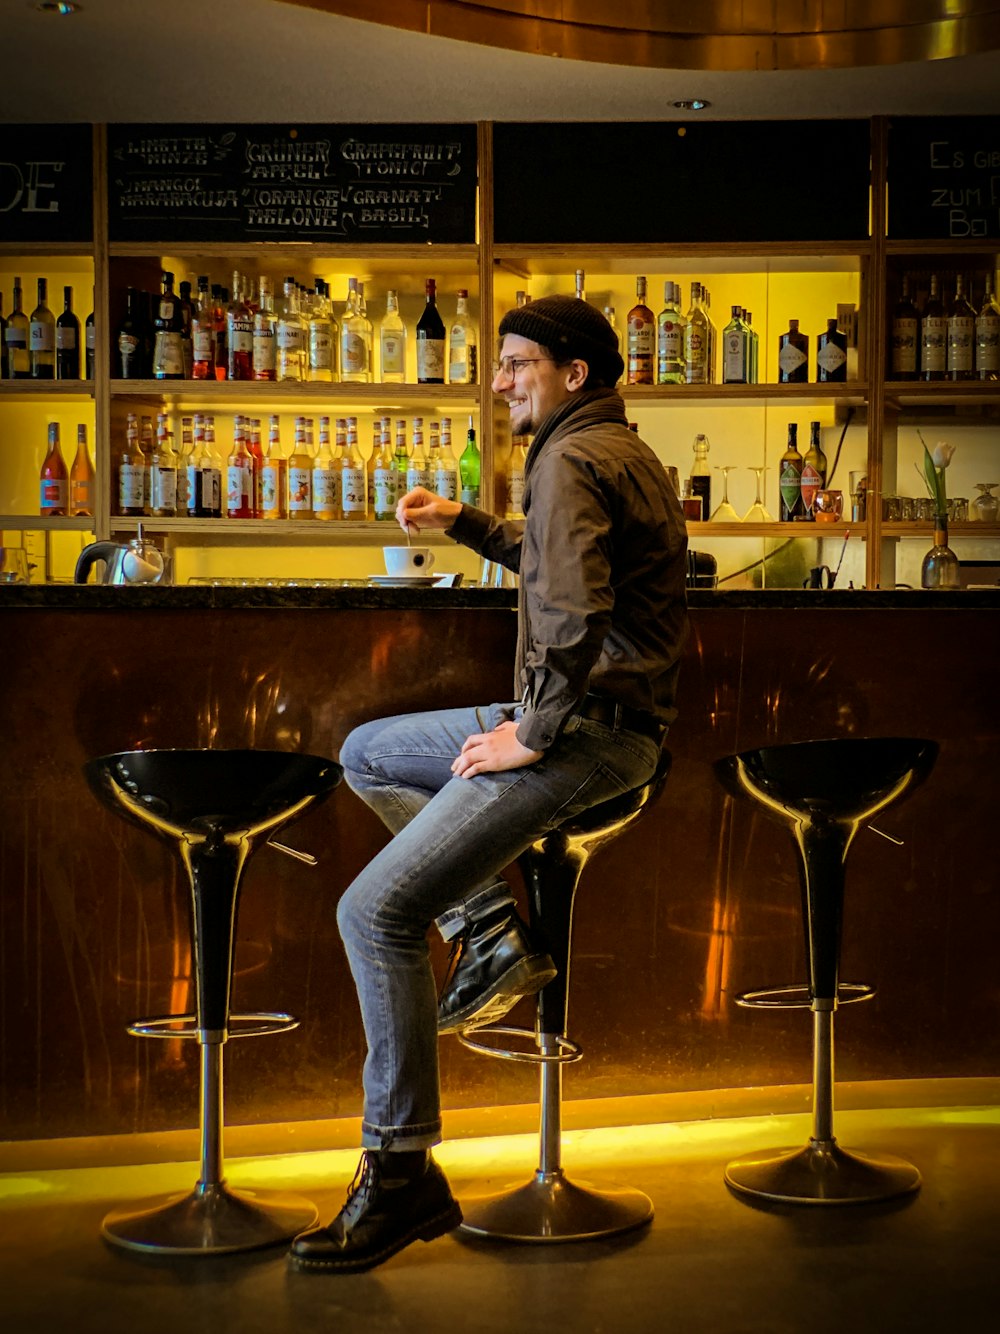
[(935, 463)]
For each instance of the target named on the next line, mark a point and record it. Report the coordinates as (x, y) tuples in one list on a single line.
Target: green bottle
[(468, 467)]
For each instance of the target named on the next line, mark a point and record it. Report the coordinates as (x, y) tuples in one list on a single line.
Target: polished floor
[(708, 1264)]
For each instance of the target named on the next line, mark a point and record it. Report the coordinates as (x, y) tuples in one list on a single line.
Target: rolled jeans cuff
[(453, 922), (400, 1139)]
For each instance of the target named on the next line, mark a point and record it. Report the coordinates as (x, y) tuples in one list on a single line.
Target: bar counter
[(698, 902)]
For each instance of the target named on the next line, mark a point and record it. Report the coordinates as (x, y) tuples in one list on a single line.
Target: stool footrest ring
[(568, 1052), (800, 997), (238, 1025)]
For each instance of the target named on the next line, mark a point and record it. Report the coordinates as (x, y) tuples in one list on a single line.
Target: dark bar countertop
[(358, 597)]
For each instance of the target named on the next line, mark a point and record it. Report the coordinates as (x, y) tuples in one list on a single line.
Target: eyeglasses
[(511, 365)]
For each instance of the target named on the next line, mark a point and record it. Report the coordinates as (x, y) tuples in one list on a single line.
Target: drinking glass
[(985, 506), (724, 512), (757, 513), (13, 565)]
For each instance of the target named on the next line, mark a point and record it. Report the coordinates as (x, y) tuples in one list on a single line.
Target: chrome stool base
[(211, 1220), (551, 1208), (822, 1173)]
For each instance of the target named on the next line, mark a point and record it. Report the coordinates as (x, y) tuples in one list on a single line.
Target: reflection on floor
[(708, 1263)]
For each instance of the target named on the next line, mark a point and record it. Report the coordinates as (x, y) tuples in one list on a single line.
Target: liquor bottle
[(257, 454), (813, 471), (736, 349), (960, 360), (933, 335), (42, 337), (670, 338), (385, 477), (220, 308), (418, 468), (239, 334), (183, 454), (514, 477), (701, 474), (367, 331), (4, 372), (831, 354), (194, 463), (203, 333), (609, 315), (392, 342), (469, 468), (444, 470), (353, 483), (754, 347), (793, 356), (579, 287), (16, 336), (640, 339), (430, 339), (81, 477), (67, 340), (462, 368), (168, 355), (696, 338), (53, 478), (292, 337), (298, 476), (905, 328), (273, 482), (146, 445), (401, 457), (264, 341), (325, 477), (211, 473), (90, 343), (355, 367), (131, 472), (132, 340), (163, 473), (988, 334), (324, 333), (706, 301), (790, 478), (240, 486), (187, 317)]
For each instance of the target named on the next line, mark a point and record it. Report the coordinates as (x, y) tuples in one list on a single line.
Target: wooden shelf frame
[(882, 404)]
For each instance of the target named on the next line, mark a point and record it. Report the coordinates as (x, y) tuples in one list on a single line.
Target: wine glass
[(985, 505), (724, 512), (757, 513)]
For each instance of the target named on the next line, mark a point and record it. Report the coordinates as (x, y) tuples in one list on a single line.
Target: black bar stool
[(550, 1207), (215, 807), (823, 790)]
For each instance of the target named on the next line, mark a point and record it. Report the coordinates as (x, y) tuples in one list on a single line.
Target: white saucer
[(403, 580)]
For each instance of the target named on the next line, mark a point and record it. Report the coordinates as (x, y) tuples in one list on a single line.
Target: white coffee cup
[(402, 561)]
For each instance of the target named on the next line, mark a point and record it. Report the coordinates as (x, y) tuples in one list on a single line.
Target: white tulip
[(942, 453)]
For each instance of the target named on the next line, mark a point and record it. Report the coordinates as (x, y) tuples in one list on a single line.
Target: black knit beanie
[(570, 329)]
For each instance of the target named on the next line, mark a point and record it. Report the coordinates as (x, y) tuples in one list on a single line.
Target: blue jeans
[(452, 838)]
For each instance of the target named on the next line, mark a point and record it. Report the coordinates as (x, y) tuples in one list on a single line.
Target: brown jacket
[(601, 555)]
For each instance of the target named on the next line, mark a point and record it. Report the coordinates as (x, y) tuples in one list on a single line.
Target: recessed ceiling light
[(61, 7), (694, 104)]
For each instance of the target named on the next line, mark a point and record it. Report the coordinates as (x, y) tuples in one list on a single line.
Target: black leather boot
[(395, 1198), (494, 963)]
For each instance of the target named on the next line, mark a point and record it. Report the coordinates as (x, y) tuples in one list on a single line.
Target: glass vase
[(940, 565)]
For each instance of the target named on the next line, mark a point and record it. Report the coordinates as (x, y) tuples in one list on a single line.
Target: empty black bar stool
[(823, 790), (550, 1207), (215, 807)]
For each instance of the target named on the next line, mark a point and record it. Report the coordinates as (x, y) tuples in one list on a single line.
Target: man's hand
[(421, 508), (493, 752)]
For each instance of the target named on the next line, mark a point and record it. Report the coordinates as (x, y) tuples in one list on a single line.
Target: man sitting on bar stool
[(602, 619)]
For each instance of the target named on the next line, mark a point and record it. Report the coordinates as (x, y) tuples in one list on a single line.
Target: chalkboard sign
[(944, 178), (46, 183), (367, 183), (658, 182)]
